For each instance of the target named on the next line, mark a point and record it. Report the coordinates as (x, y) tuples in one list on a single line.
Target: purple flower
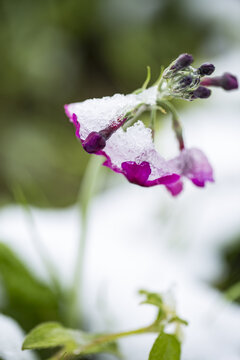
[(131, 152)]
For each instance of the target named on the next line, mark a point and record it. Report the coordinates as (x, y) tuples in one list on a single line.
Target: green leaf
[(179, 320), (166, 347), (152, 298), (72, 342), (49, 335), (28, 300)]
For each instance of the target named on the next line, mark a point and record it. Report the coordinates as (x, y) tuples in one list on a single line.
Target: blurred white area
[(143, 238), (11, 339)]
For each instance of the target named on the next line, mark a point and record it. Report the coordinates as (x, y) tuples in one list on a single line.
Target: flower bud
[(94, 142), (186, 81), (182, 62), (201, 92), (227, 81), (206, 69)]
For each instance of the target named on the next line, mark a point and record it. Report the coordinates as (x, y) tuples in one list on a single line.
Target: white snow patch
[(11, 339), (97, 114)]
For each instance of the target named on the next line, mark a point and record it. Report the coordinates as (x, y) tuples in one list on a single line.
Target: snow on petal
[(98, 114), (135, 146)]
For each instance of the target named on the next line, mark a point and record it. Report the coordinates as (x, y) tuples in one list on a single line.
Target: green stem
[(177, 127), (119, 335), (146, 82), (153, 120), (112, 337), (160, 79), (135, 114), (85, 194)]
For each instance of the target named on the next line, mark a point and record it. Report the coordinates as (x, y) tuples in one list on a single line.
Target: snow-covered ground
[(143, 238)]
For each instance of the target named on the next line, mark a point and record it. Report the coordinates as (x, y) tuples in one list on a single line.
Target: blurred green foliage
[(231, 261), (24, 297), (58, 51)]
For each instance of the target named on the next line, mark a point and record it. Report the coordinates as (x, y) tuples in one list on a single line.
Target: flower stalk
[(84, 198), (176, 124)]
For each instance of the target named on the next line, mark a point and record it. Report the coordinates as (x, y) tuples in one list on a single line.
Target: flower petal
[(175, 188), (136, 173), (194, 164)]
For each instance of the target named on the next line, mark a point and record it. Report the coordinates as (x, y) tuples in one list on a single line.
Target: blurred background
[(56, 52)]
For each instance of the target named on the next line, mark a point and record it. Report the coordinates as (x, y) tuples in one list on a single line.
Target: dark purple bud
[(182, 61), (94, 142), (185, 81), (201, 92), (228, 82), (206, 69)]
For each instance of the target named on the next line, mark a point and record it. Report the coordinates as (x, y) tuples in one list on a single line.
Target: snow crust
[(97, 114), (136, 145)]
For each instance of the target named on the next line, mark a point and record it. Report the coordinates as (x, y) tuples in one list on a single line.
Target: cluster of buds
[(183, 81), (111, 127)]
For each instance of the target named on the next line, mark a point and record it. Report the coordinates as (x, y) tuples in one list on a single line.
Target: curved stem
[(160, 79), (112, 337), (85, 194), (146, 82), (177, 127)]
